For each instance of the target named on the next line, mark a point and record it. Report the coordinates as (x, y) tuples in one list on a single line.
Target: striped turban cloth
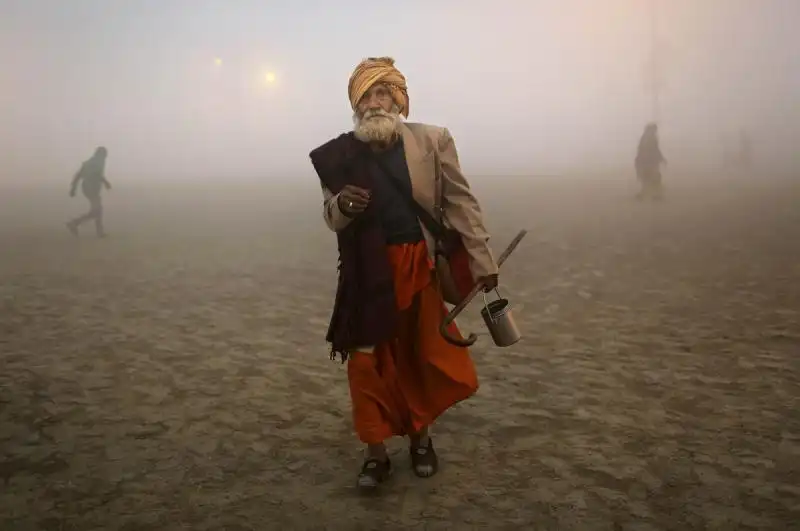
[(378, 70)]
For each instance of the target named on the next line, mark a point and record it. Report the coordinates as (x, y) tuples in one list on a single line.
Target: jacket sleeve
[(335, 219), (462, 211)]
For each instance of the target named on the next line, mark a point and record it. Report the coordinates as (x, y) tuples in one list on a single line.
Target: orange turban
[(378, 70)]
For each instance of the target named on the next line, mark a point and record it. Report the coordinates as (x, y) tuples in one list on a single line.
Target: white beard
[(377, 126)]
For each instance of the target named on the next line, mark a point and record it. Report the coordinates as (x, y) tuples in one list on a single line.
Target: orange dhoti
[(406, 383)]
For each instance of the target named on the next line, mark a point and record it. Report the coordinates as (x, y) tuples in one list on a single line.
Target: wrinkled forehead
[(378, 89)]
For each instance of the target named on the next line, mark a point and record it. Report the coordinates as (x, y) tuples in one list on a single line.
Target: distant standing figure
[(648, 164), (92, 178)]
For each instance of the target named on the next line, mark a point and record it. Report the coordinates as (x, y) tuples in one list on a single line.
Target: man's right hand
[(353, 200)]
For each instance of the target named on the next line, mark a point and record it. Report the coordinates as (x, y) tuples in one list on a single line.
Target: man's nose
[(373, 100)]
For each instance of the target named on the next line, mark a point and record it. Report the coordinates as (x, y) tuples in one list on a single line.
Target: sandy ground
[(175, 375)]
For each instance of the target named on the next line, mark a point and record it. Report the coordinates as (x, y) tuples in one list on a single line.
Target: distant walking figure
[(92, 178), (648, 164)]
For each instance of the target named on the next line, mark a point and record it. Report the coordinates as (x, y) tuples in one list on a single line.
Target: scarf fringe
[(343, 354)]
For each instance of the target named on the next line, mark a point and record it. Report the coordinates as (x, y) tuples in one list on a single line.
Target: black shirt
[(400, 222)]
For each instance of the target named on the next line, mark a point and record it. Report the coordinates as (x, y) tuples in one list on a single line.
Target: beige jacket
[(430, 153)]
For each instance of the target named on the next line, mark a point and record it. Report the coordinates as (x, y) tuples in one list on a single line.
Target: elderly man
[(378, 182)]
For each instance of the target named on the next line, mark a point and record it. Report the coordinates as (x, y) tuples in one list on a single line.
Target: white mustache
[(378, 113)]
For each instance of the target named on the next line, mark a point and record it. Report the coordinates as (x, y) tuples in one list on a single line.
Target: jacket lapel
[(420, 162)]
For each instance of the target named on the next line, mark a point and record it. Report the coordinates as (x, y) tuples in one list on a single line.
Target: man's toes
[(425, 471), (367, 482)]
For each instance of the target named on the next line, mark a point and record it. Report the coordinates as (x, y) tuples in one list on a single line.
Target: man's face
[(376, 117), (377, 98)]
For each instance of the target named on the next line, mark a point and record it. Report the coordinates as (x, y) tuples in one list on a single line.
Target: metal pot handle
[(486, 303)]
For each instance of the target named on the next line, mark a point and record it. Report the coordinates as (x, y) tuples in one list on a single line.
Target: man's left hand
[(489, 282)]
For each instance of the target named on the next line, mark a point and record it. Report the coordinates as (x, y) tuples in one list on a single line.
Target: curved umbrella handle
[(450, 317)]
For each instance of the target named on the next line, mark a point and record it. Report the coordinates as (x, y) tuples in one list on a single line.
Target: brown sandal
[(424, 461)]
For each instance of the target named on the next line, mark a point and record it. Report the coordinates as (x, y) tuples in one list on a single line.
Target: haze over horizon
[(179, 89)]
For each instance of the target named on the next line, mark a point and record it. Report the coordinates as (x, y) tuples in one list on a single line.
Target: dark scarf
[(364, 311)]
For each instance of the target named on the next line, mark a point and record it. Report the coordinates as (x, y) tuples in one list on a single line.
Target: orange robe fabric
[(406, 383)]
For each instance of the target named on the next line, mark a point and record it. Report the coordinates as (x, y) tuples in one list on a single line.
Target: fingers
[(358, 202), (353, 192), (353, 204), (353, 208), (489, 283), (357, 189), (354, 199)]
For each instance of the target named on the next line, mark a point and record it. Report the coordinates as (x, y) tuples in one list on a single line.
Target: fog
[(175, 375), (178, 91)]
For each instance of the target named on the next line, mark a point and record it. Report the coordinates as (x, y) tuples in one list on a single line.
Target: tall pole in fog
[(655, 74)]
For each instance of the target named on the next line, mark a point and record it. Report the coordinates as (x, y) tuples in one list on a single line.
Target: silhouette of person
[(92, 179), (648, 164)]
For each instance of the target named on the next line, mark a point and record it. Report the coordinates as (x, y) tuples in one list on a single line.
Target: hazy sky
[(525, 86)]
